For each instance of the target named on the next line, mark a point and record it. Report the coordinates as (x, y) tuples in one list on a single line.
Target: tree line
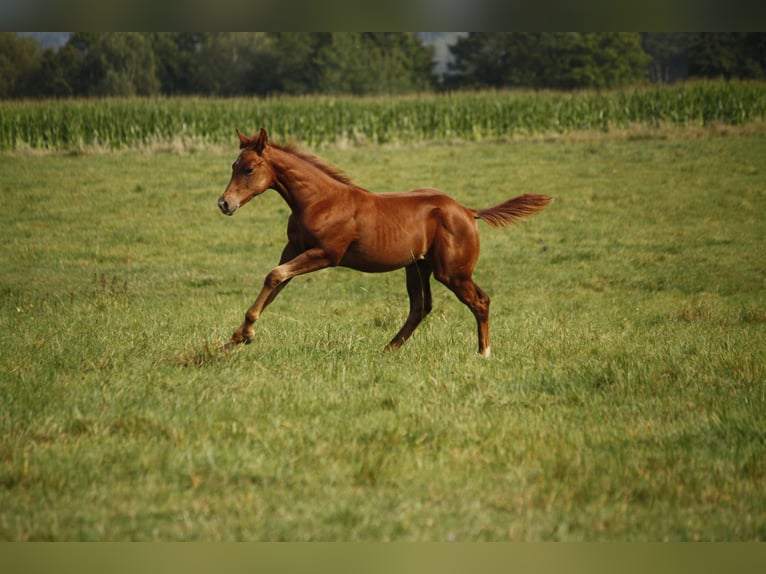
[(264, 63)]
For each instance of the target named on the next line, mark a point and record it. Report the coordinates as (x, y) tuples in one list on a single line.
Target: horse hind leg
[(419, 291), (471, 295)]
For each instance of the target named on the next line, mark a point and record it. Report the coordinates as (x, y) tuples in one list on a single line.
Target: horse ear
[(243, 140), (260, 143)]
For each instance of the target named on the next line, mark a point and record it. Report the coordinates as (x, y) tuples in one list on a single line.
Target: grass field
[(624, 399)]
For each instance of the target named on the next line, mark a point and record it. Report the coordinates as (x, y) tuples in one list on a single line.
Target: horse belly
[(387, 247), (379, 258)]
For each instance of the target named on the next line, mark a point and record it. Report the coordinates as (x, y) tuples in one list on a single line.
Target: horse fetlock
[(248, 333), (245, 334)]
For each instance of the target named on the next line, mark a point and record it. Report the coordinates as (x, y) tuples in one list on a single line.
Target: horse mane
[(321, 165)]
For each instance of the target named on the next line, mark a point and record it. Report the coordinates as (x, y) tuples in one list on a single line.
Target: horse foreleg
[(288, 253), (419, 290), (306, 262)]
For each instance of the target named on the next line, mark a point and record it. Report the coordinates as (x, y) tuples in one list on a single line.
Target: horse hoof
[(230, 345)]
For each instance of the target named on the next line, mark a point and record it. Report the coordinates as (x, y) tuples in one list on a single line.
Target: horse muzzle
[(227, 207)]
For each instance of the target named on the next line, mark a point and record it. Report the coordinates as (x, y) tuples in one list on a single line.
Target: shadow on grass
[(205, 354)]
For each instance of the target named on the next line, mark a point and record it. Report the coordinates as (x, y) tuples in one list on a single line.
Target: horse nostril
[(223, 205)]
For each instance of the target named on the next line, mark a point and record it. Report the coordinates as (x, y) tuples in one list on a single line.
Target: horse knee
[(273, 279)]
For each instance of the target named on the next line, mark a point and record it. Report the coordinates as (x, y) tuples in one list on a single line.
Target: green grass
[(624, 399)]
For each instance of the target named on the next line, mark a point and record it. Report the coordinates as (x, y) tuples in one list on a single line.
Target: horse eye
[(248, 170)]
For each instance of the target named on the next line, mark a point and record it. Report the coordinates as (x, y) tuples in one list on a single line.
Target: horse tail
[(509, 211)]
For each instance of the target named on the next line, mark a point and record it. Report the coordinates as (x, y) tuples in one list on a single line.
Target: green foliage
[(669, 54), (298, 63), (129, 66), (624, 399), (548, 60), (230, 63), (731, 55), (369, 63), (222, 64), (18, 57), (318, 120), (608, 60)]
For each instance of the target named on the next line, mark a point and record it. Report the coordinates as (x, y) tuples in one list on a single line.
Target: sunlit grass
[(624, 399)]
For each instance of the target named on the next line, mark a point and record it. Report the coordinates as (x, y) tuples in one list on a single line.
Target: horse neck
[(299, 182)]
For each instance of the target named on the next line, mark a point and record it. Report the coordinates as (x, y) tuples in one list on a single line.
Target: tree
[(19, 61), (753, 62), (548, 60), (408, 63), (176, 54), (296, 65), (374, 63), (492, 59), (728, 55), (114, 64), (129, 66), (669, 53), (609, 60), (54, 77), (234, 63)]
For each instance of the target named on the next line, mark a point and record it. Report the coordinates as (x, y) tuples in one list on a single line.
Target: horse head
[(251, 174)]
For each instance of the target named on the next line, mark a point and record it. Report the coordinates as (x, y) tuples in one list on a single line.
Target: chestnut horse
[(334, 222)]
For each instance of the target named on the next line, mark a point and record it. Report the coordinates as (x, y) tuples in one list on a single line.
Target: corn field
[(319, 120)]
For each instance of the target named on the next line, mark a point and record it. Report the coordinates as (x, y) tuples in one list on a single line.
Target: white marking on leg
[(485, 353)]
